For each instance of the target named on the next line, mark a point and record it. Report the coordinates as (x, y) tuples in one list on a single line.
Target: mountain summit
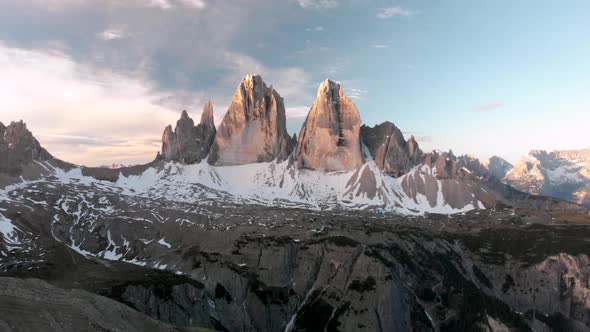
[(189, 143), (330, 137), (18, 147), (254, 128)]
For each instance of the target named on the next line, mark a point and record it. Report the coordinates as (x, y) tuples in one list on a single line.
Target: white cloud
[(161, 4), (318, 4), (112, 34), (380, 46), (317, 29), (116, 114), (167, 4), (355, 93), (395, 11)]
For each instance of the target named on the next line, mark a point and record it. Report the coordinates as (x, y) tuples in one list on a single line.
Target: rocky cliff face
[(249, 268), (473, 165), (560, 174), (498, 167), (254, 127), (189, 143), (18, 147), (35, 305), (392, 154), (330, 137)]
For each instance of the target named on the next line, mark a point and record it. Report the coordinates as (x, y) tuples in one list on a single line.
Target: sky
[(98, 80)]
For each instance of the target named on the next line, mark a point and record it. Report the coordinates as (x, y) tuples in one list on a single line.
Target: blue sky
[(97, 80)]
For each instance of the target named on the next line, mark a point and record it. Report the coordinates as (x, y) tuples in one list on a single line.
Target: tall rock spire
[(330, 137), (189, 143), (254, 127)]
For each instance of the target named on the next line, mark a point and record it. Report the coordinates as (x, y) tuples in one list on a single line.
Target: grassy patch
[(568, 218)]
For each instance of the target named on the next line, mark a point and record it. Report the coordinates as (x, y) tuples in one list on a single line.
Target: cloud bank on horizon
[(97, 81)]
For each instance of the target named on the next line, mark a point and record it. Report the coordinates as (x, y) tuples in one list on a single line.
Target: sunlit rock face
[(254, 128), (188, 143), (560, 174), (330, 137), (18, 147)]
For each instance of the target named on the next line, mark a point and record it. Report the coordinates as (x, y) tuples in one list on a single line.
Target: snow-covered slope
[(281, 184)]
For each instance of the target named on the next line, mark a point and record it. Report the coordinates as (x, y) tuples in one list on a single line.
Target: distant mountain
[(560, 174)]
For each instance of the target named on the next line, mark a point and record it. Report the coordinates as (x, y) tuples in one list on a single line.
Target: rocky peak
[(254, 128), (473, 165), (414, 151), (444, 165), (330, 137), (392, 154), (188, 143), (19, 147), (498, 167), (207, 117)]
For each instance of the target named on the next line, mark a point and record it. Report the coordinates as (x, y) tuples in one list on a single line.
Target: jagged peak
[(329, 87), (252, 81), (207, 118), (168, 129)]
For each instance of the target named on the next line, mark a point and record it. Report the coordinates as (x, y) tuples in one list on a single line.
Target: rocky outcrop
[(254, 128), (330, 137), (189, 143), (443, 164), (498, 167), (473, 165), (388, 147), (35, 305), (18, 147), (414, 151)]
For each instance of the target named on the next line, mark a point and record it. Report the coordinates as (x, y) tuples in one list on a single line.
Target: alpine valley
[(243, 227)]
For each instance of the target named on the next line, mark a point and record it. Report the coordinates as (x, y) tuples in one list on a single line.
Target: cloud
[(355, 93), (160, 4), (112, 34), (318, 4), (167, 4), (380, 46), (389, 12), (116, 112), (488, 107), (317, 29)]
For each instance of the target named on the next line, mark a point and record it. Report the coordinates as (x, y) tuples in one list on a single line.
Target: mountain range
[(242, 227)]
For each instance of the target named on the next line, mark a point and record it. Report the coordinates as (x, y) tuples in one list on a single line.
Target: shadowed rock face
[(473, 165), (18, 147), (34, 305), (392, 154), (498, 167), (254, 127), (330, 137), (189, 143)]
